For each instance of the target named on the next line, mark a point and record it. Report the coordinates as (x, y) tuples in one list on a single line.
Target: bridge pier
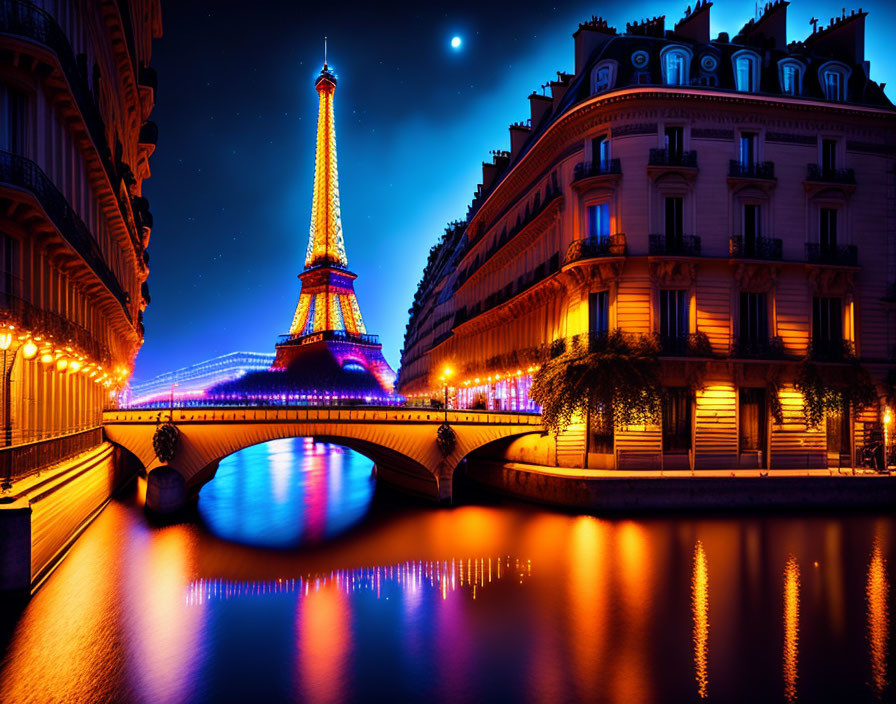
[(166, 490)]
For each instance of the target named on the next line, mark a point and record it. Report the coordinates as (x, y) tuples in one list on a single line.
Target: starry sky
[(236, 108)]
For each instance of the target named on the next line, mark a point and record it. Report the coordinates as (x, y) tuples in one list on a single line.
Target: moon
[(456, 42)]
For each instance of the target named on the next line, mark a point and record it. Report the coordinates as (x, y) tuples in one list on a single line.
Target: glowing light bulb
[(29, 350)]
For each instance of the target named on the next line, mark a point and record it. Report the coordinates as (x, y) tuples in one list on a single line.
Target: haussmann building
[(734, 196)]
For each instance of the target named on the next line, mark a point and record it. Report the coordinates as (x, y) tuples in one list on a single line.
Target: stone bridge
[(400, 441)]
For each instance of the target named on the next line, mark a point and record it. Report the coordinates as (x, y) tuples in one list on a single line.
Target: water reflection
[(441, 578), (877, 588), (287, 492), (791, 627), (700, 606)]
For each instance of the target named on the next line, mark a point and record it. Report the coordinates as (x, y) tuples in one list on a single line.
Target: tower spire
[(325, 53)]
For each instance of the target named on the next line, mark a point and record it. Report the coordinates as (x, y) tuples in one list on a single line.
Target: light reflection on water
[(287, 492), (472, 603)]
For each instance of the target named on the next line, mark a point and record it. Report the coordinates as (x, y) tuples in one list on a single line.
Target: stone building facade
[(735, 197)]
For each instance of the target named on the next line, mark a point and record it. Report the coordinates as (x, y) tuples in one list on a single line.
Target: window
[(13, 112), (827, 326), (674, 142), (9, 268), (828, 155), (600, 152), (676, 420), (747, 153), (790, 74), (746, 71), (834, 77), (674, 221), (599, 221), (753, 319), (752, 420), (752, 227), (827, 228), (674, 321), (603, 77), (599, 312), (676, 61)]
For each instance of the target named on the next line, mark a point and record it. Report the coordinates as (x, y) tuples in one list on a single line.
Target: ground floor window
[(676, 420), (837, 430)]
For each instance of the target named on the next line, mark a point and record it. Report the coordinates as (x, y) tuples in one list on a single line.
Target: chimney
[(842, 39), (695, 25), (519, 135), (655, 27), (589, 37), (770, 30), (559, 88), (540, 106)]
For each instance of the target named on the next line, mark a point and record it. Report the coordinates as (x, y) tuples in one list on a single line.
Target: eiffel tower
[(328, 348)]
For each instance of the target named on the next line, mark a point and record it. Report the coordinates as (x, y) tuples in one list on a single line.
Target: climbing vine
[(831, 388), (591, 373)]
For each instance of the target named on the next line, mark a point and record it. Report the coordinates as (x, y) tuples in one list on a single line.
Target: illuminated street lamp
[(446, 375), (888, 418), (5, 342)]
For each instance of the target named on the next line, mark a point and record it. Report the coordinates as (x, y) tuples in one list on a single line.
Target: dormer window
[(834, 76), (603, 77), (676, 62), (790, 74), (746, 71)]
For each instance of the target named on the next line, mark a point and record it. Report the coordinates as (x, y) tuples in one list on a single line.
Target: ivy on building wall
[(831, 388), (617, 370)]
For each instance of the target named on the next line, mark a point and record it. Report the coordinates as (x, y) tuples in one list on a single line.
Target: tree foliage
[(831, 388), (591, 373)]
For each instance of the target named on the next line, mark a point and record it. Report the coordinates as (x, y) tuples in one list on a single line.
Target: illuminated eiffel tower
[(328, 344)]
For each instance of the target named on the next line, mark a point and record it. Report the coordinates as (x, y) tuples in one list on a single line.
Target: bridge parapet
[(400, 441)]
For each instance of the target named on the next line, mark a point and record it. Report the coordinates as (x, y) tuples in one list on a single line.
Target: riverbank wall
[(44, 513), (633, 491)]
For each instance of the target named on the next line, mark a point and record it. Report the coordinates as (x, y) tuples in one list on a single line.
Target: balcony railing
[(755, 248), (757, 348), (587, 169), (695, 344), (593, 247), (674, 245), (25, 174), (759, 169), (46, 323), (670, 157), (823, 175), (842, 254), (330, 336), (19, 461), (831, 350)]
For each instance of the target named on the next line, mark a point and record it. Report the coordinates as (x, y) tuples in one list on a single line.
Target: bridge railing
[(19, 461)]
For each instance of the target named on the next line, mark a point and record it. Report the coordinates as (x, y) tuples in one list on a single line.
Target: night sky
[(236, 108)]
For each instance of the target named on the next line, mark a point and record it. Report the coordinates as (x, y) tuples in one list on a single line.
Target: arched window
[(790, 74), (603, 77), (676, 62), (833, 77), (746, 71)]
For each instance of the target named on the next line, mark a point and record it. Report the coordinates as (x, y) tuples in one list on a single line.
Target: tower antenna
[(325, 52)]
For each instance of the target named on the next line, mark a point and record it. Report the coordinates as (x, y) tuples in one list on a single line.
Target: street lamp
[(446, 375), (5, 342)]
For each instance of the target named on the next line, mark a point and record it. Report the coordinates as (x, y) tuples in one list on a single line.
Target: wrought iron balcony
[(594, 247), (759, 169), (755, 248), (831, 350), (695, 344), (822, 175), (674, 245), (25, 174), (757, 348), (330, 336), (588, 169), (671, 157), (837, 254)]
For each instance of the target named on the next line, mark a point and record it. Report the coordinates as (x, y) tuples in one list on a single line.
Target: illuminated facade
[(191, 383), (732, 197), (76, 92), (328, 347)]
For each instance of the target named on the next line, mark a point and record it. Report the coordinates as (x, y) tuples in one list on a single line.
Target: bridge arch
[(401, 442)]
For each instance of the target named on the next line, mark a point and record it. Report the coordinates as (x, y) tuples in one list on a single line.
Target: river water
[(298, 580)]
